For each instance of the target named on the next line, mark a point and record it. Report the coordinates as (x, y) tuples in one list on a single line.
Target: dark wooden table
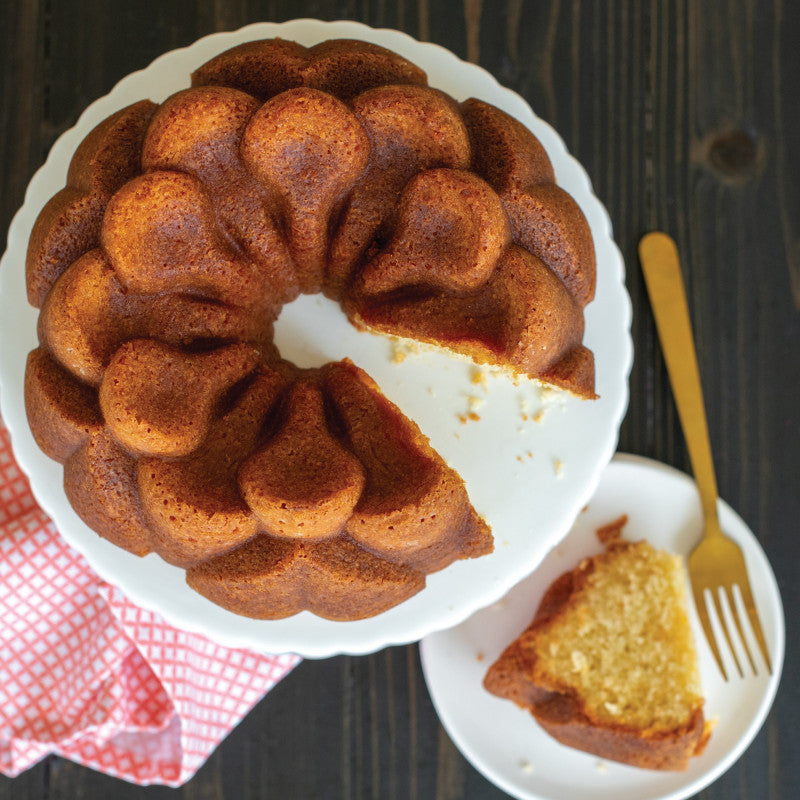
[(686, 117)]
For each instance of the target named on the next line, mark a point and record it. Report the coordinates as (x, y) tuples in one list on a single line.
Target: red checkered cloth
[(88, 675)]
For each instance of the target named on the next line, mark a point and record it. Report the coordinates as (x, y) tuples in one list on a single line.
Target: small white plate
[(508, 461), (505, 743)]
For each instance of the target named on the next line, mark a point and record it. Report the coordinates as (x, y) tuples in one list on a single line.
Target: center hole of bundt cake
[(313, 330)]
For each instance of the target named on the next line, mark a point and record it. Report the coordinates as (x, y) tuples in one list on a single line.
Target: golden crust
[(69, 225), (62, 411), (341, 67), (272, 578)]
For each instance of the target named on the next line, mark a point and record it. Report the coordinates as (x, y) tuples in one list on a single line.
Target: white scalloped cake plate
[(528, 479), (504, 742)]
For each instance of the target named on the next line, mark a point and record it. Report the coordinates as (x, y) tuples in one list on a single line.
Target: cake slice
[(608, 664)]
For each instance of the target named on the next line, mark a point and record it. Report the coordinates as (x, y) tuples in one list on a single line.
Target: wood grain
[(686, 116)]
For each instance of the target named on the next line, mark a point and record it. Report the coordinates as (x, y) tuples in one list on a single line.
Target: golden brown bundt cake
[(162, 266), (608, 664)]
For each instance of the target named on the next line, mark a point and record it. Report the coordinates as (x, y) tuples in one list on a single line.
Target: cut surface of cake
[(161, 268), (608, 664)]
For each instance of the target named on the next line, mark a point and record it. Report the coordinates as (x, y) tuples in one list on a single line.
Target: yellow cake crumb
[(636, 597), (474, 402), (478, 378), (402, 348)]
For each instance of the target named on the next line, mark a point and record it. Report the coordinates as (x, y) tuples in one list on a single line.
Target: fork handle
[(662, 273)]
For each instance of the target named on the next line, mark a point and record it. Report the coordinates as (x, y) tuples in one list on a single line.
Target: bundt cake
[(162, 265), (608, 664)]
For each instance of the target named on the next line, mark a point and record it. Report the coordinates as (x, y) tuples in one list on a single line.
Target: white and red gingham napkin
[(88, 675)]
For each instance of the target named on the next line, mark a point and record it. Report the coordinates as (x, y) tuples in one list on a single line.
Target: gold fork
[(717, 563)]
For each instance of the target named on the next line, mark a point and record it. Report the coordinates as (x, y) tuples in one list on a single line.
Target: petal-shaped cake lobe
[(62, 411), (100, 483), (302, 483), (543, 321), (269, 578), (451, 229), (574, 372), (309, 147), (158, 400), (342, 67), (504, 152), (547, 222), (160, 233), (193, 504), (414, 509), (87, 315), (410, 128), (263, 68), (78, 323), (543, 324), (199, 131), (69, 225), (346, 67)]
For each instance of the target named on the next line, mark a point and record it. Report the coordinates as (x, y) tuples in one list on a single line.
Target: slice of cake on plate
[(608, 664)]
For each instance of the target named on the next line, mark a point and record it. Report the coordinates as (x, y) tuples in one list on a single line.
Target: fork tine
[(728, 592), (715, 597), (755, 623), (702, 613)]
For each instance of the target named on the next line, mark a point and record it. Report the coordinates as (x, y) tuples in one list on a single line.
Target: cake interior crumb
[(629, 620)]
